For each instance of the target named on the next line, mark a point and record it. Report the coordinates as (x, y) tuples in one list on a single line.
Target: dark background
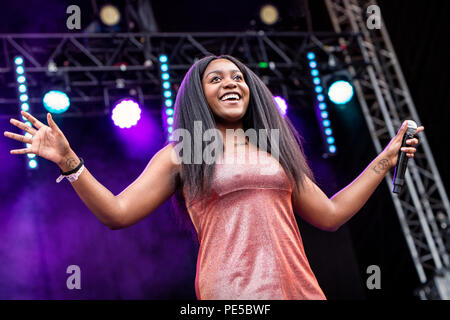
[(46, 227)]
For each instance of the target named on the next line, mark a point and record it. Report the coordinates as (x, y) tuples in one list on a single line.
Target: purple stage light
[(281, 104), (126, 113)]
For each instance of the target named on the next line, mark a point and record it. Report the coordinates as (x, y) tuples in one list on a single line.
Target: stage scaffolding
[(99, 68), (423, 208)]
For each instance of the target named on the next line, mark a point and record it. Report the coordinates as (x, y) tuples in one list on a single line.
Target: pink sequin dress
[(250, 244)]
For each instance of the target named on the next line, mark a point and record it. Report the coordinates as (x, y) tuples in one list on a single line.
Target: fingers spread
[(21, 151), (33, 120), (52, 123), (18, 137), (23, 126)]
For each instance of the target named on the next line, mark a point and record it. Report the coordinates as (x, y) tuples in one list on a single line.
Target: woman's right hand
[(47, 141)]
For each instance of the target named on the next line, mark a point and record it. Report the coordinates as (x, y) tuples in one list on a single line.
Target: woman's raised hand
[(45, 141)]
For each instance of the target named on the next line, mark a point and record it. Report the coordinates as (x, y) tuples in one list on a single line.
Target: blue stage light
[(330, 140), (314, 72), (166, 84), (326, 123), (320, 97), (311, 55), (340, 92), (328, 131), (164, 67), (56, 101), (170, 129), (319, 89), (32, 164), (22, 88), (163, 58), (324, 114), (313, 64), (20, 70), (322, 106), (21, 79), (316, 81), (169, 103), (23, 97), (18, 60), (332, 149), (167, 94), (169, 111), (25, 106), (165, 76), (169, 120)]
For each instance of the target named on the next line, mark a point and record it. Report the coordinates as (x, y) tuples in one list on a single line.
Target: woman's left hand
[(392, 149)]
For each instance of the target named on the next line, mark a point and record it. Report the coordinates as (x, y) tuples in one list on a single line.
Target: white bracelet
[(72, 177)]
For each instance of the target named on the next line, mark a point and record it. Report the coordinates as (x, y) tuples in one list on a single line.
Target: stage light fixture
[(56, 101), (20, 70), (167, 112), (18, 60), (269, 14), (281, 104), (25, 106), (163, 58), (32, 164), (126, 113), (23, 97), (340, 92), (110, 15), (311, 55)]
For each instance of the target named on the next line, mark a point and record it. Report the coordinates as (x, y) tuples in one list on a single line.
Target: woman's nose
[(229, 84)]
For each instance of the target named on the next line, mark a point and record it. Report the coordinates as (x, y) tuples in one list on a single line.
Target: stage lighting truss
[(385, 100), (89, 64), (320, 105), (23, 100), (168, 96)]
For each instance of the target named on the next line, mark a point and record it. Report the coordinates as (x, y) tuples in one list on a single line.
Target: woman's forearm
[(95, 196), (351, 199)]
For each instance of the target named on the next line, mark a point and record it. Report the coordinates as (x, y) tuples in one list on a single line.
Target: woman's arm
[(154, 186), (151, 189), (329, 214)]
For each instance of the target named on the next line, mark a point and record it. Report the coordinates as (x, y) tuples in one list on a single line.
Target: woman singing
[(243, 212)]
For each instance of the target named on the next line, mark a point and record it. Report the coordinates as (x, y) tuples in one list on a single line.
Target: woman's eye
[(238, 77), (214, 79)]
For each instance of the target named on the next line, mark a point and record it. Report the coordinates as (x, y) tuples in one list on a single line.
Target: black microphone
[(402, 160)]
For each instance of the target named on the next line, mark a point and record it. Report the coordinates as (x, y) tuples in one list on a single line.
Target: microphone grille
[(412, 127)]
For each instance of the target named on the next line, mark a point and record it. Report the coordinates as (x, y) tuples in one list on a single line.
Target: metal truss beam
[(98, 68), (385, 99)]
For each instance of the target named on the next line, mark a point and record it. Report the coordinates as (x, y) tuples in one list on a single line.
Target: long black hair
[(262, 113)]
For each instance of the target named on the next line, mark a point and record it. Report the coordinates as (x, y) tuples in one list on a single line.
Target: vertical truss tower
[(423, 207)]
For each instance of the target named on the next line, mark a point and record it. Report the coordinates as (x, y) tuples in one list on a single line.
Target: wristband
[(71, 175)]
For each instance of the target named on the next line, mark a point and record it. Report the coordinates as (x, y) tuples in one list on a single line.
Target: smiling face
[(225, 91)]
